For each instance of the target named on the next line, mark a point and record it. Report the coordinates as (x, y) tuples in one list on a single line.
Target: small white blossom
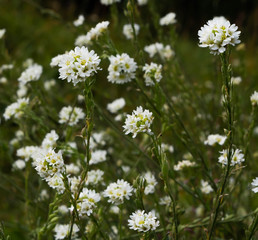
[(237, 157), (215, 138), (16, 109), (55, 61), (118, 191), (121, 69), (3, 80), (109, 2), (63, 209), (94, 177), (255, 185), (170, 18), (151, 182), (22, 90), (43, 195), (27, 152), (205, 187), (72, 169), (98, 156), (139, 121), (32, 73), (79, 21), (152, 73), (236, 80), (71, 115), (116, 105), (167, 147), (165, 52), (62, 231), (2, 32), (254, 98), (128, 30), (56, 182), (49, 84), (165, 201), (6, 67), (143, 222), (50, 140), (93, 34), (19, 165), (142, 2), (183, 164), (217, 34)]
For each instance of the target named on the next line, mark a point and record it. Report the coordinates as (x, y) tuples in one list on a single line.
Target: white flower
[(78, 22), (236, 80), (165, 201), (43, 195), (116, 105), (121, 69), (55, 61), (215, 138), (6, 67), (166, 147), (170, 18), (143, 222), (72, 169), (22, 90), (3, 80), (63, 209), (217, 34), (78, 64), (94, 177), (19, 164), (118, 191), (205, 187), (49, 84), (128, 30), (98, 156), (142, 2), (71, 115), (152, 73), (109, 2), (74, 183), (97, 139), (62, 231), (87, 202), (183, 164), (50, 140), (254, 98), (237, 157), (27, 152), (32, 73), (139, 121), (151, 183), (93, 34), (2, 32), (16, 109), (56, 182), (165, 52), (48, 163), (255, 185)]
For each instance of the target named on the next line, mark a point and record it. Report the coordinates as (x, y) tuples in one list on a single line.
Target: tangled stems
[(161, 156), (227, 93)]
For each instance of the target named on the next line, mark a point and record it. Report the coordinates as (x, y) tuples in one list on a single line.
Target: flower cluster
[(142, 2), (98, 156), (205, 187), (50, 140), (237, 157), (27, 152), (121, 69), (77, 65), (215, 138), (169, 19), (128, 30), (118, 191), (217, 34), (143, 222), (152, 73), (16, 109), (183, 164), (150, 183), (87, 202), (236, 80), (71, 115), (32, 73), (116, 105), (109, 2), (165, 52), (94, 177), (139, 121), (93, 34), (62, 231)]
